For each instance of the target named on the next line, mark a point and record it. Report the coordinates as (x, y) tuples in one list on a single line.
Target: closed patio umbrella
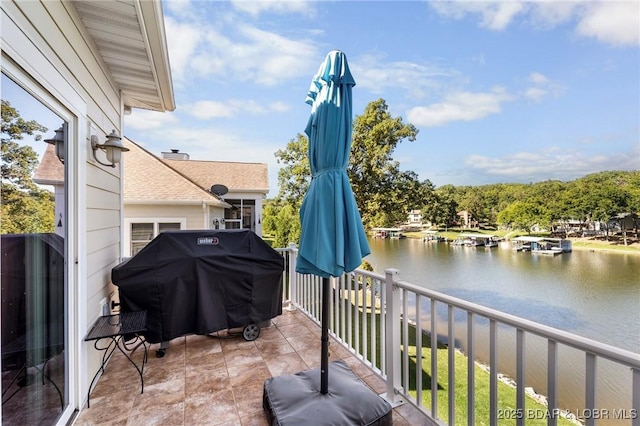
[(332, 239), (332, 242)]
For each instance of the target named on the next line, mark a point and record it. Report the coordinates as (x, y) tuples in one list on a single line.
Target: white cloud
[(493, 15), (182, 40), (206, 110), (263, 57), (141, 119), (542, 87), (612, 22), (179, 7), (378, 76), (256, 7), (548, 14), (459, 106), (616, 23), (549, 164)]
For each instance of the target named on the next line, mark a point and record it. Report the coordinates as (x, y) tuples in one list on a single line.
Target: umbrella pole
[(324, 354)]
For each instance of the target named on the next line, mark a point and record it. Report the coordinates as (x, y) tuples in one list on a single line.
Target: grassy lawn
[(534, 412)]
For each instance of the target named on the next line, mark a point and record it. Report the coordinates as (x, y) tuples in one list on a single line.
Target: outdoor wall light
[(58, 142), (113, 148)]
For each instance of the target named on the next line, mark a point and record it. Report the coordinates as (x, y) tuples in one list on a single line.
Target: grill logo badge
[(207, 241)]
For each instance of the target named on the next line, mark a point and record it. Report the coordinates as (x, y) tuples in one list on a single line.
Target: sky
[(508, 91)]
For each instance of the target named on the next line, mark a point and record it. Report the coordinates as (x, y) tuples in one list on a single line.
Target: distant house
[(414, 219), (623, 222), (174, 192), (466, 220)]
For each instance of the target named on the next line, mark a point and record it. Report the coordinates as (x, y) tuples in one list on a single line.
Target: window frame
[(156, 221)]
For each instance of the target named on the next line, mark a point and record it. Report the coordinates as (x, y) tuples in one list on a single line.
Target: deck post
[(392, 331)]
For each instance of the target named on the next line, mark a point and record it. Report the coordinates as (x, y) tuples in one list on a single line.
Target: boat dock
[(541, 245), (433, 236), (476, 240), (394, 233)]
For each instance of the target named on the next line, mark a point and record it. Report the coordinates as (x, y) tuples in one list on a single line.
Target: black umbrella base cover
[(295, 399)]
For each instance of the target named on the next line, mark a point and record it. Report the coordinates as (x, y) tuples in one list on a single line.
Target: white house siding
[(193, 215), (65, 65)]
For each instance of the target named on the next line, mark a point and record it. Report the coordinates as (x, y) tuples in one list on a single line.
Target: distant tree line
[(597, 197), (385, 193)]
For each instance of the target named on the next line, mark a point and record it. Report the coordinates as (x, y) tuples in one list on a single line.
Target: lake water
[(591, 294)]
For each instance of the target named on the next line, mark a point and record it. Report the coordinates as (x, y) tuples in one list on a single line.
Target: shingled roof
[(238, 177), (50, 171), (149, 178)]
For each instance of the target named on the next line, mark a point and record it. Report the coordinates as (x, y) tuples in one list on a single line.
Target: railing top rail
[(604, 350)]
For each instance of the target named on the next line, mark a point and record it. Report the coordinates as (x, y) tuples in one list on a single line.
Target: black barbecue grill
[(200, 282)]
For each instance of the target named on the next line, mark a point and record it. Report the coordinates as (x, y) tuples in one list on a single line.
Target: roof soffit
[(130, 38)]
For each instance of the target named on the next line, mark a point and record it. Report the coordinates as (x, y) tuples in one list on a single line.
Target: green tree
[(25, 206), (523, 216), (380, 187), (441, 209), (383, 192), (295, 175), (472, 201), (286, 226)]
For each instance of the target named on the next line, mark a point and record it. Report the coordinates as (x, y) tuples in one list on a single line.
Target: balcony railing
[(381, 318)]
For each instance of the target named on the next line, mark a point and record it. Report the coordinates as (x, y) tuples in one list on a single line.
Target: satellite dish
[(219, 190)]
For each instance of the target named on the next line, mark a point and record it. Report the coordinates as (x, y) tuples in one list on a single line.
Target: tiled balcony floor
[(206, 380)]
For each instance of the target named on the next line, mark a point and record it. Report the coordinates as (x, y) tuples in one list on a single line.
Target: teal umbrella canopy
[(332, 240)]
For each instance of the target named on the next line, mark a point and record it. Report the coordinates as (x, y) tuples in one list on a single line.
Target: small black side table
[(114, 328)]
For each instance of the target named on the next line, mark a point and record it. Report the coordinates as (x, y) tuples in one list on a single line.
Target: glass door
[(33, 235)]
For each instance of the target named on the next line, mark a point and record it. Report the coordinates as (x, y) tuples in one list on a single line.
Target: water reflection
[(595, 295)]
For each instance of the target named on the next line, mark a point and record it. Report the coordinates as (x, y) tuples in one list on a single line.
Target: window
[(143, 232)]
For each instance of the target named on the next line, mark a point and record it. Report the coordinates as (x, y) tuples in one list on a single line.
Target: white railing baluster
[(451, 350), (350, 306), (635, 396), (374, 331), (392, 324), (520, 376), (405, 340), (292, 273), (471, 375), (434, 358), (383, 328), (365, 323), (356, 314), (334, 303), (552, 383), (493, 373), (317, 285), (418, 352), (342, 294), (590, 388)]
